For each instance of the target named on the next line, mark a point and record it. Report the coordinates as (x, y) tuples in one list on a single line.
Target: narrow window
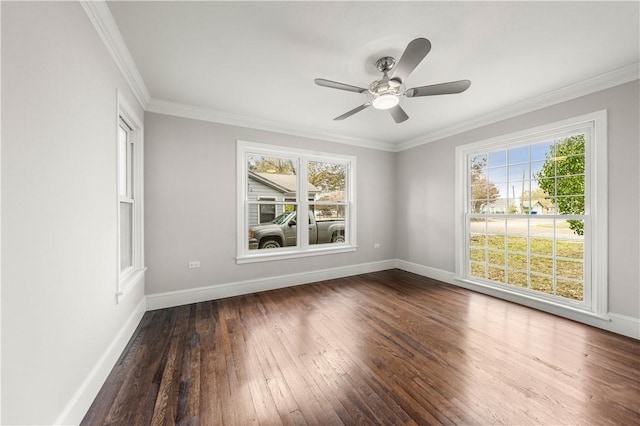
[(129, 172)]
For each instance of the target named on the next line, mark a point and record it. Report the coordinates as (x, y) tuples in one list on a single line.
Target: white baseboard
[(203, 294), (622, 324), (79, 404), (616, 323), (426, 271)]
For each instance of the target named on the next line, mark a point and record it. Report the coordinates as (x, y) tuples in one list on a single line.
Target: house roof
[(281, 182), (543, 202)]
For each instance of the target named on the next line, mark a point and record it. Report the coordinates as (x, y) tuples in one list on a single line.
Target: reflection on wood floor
[(382, 348)]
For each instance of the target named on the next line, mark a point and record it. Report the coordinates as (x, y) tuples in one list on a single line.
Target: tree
[(562, 176), (327, 176), (482, 191)]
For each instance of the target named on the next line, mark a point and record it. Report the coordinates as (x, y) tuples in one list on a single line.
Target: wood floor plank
[(388, 347)]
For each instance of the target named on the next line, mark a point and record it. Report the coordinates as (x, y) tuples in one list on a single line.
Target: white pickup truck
[(281, 232)]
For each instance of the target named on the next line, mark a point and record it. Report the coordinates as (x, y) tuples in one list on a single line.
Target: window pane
[(542, 283), (329, 224), (518, 155), (571, 249), (570, 289), (478, 166), (540, 151), (271, 177), (126, 236), (327, 181), (478, 269), (497, 158), (478, 235), (497, 174), (122, 161), (517, 278), (518, 173), (541, 233), (478, 254), (129, 170), (496, 274)]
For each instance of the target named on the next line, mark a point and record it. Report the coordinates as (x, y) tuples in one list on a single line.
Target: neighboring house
[(542, 206), (500, 206), (272, 187)]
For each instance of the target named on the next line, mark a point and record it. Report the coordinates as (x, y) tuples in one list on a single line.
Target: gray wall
[(190, 204), (425, 183), (59, 207)]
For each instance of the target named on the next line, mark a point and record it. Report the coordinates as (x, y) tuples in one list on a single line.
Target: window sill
[(128, 282), (283, 255), (531, 300)]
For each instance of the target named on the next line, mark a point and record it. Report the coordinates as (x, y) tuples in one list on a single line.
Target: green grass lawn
[(510, 255)]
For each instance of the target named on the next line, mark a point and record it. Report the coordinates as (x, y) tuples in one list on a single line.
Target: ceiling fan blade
[(439, 89), (353, 111), (398, 114), (413, 54), (336, 85)]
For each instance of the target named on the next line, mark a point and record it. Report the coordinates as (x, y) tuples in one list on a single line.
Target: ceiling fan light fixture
[(385, 101)]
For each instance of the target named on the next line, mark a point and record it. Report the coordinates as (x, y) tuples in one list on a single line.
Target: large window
[(277, 186), (533, 213), (129, 155)]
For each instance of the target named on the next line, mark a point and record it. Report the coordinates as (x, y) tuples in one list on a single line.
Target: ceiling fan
[(386, 92)]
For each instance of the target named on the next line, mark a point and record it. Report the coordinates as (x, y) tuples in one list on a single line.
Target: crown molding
[(205, 114), (104, 23), (604, 81), (102, 19)]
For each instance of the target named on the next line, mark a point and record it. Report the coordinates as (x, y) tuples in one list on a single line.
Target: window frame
[(595, 241), (303, 248), (133, 275)]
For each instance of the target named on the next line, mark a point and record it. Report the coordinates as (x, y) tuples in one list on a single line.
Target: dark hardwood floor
[(382, 348)]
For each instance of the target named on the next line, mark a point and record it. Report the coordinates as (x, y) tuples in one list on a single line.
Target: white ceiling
[(253, 63)]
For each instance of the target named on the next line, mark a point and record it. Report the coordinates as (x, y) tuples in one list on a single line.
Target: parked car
[(282, 232)]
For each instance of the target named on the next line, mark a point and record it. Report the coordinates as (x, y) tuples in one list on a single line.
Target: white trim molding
[(78, 405), (616, 323), (238, 288), (102, 19), (602, 82), (214, 116)]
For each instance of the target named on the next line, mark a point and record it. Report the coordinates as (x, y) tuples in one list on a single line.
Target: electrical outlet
[(194, 264), (376, 245)]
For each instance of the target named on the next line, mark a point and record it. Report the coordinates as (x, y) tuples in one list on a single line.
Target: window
[(533, 212), (276, 186), (267, 211), (125, 195), (130, 209)]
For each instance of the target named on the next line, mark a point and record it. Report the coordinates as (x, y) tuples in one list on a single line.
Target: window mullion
[(303, 205)]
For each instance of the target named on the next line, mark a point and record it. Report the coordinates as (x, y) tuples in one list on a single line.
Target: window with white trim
[(276, 186), (129, 166), (532, 207)]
